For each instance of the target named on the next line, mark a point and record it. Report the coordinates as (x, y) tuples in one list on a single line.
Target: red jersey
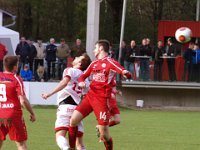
[(103, 71), (3, 51), (11, 86)]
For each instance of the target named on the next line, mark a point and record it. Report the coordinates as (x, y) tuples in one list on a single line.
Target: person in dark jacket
[(129, 57), (144, 50), (22, 51), (51, 58), (171, 51), (158, 62), (32, 53), (187, 74)]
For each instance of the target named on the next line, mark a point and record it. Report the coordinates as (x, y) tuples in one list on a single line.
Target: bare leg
[(79, 143), (1, 143), (114, 120), (76, 118), (61, 139), (74, 121), (21, 145)]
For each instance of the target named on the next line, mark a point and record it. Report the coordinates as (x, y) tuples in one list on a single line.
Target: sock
[(108, 144), (72, 136), (112, 123), (62, 142)]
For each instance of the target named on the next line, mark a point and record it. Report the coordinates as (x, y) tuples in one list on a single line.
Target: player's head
[(101, 46), (82, 62), (11, 63)]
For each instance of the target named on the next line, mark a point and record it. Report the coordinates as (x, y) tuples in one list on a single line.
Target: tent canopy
[(9, 38)]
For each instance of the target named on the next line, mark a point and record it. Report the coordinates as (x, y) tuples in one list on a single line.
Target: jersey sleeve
[(20, 86), (68, 72), (116, 66), (86, 73)]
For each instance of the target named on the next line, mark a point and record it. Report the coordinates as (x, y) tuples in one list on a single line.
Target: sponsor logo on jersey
[(103, 65), (9, 105)]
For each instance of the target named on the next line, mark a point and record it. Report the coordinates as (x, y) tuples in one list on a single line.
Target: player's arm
[(85, 75), (119, 69), (25, 103), (62, 84)]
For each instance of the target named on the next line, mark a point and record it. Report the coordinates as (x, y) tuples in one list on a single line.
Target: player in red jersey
[(97, 99), (114, 110), (12, 96)]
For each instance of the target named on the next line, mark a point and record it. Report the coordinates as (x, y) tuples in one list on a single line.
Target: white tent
[(9, 38)]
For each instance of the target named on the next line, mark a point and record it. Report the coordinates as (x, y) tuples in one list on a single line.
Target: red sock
[(112, 123), (72, 136), (109, 144)]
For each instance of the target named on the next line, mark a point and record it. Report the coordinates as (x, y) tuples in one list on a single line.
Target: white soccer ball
[(183, 34)]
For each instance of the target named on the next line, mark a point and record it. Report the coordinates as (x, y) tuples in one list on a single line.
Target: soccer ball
[(183, 34)]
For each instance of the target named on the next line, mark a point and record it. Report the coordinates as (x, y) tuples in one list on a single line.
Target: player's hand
[(32, 118), (120, 92), (126, 74), (82, 84), (45, 96)]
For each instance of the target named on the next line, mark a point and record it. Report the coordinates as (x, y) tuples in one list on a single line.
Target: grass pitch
[(139, 130)]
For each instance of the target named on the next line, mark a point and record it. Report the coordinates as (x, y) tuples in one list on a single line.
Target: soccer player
[(97, 99), (114, 110), (69, 96), (12, 96)]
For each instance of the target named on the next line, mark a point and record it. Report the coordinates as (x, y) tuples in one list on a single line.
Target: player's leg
[(21, 145), (1, 143), (82, 110), (105, 135), (61, 140), (114, 120), (79, 143), (79, 137), (75, 119), (62, 124), (101, 110)]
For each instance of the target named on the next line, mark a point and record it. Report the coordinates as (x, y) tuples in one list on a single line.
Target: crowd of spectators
[(162, 62), (44, 62)]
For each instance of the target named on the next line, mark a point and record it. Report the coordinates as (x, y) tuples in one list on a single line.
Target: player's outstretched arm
[(126, 74), (62, 84), (25, 103)]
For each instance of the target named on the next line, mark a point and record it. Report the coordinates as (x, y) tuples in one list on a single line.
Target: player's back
[(11, 86)]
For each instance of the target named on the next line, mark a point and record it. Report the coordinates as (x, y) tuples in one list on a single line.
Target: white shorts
[(64, 113)]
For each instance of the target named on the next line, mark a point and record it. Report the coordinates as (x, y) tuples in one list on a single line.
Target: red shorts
[(100, 106), (113, 107), (16, 130)]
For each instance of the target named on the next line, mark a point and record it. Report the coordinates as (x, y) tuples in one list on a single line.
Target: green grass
[(139, 130)]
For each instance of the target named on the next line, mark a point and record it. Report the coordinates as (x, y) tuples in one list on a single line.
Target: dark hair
[(85, 61), (62, 40), (105, 44), (9, 62)]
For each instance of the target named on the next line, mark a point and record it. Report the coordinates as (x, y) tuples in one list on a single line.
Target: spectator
[(158, 62), (129, 57), (26, 74), (188, 54), (32, 53), (171, 51), (51, 58), (196, 63), (77, 49), (3, 52), (111, 52), (62, 54), (22, 51), (144, 62), (123, 52), (39, 60), (40, 74)]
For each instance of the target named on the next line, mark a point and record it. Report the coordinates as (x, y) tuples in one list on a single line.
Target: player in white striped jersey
[(68, 97)]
